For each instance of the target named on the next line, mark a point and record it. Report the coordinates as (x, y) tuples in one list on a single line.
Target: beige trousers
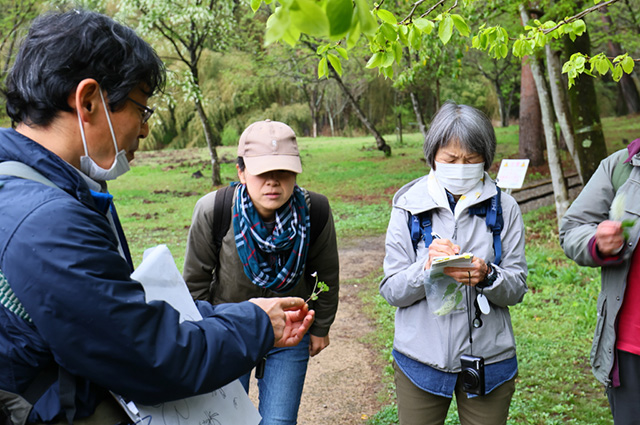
[(418, 407)]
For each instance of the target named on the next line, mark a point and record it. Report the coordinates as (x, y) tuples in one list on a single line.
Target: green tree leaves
[(445, 29), (337, 21), (424, 26), (493, 39), (577, 64), (309, 15), (386, 16), (339, 14)]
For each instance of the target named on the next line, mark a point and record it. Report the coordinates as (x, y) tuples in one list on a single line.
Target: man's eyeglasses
[(147, 112)]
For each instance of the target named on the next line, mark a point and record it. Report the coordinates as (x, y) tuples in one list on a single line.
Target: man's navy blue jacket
[(60, 257)]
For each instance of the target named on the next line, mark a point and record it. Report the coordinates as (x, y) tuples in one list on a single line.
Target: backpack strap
[(495, 222), (18, 169), (491, 209), (621, 173), (318, 214), (420, 229), (222, 208)]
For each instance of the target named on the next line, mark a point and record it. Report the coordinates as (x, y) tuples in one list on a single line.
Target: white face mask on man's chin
[(88, 165), (458, 179)]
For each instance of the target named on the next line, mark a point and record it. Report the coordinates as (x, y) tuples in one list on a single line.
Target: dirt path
[(343, 381)]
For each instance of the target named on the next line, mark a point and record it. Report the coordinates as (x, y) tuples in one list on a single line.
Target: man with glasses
[(144, 110), (73, 324)]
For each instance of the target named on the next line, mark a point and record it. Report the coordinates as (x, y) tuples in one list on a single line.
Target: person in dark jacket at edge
[(73, 324)]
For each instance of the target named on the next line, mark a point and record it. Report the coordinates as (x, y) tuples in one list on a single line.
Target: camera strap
[(469, 314)]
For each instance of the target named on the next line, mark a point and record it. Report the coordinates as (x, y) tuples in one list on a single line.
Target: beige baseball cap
[(269, 145)]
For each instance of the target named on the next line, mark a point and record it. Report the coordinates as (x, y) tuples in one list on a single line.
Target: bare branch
[(170, 35), (414, 6), (453, 7), (173, 42), (579, 16), (432, 8)]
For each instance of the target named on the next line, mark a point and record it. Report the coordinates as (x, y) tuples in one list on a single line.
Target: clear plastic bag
[(444, 295)]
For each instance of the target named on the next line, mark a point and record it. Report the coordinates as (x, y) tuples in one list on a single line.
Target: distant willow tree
[(188, 27)]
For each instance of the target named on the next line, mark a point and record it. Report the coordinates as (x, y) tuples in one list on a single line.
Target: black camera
[(472, 374)]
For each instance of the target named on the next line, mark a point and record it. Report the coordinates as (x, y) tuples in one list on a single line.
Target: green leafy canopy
[(343, 22)]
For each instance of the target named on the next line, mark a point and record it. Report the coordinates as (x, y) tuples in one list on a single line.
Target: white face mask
[(89, 166), (459, 178)]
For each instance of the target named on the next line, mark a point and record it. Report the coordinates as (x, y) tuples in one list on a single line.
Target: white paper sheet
[(162, 281), (228, 405)]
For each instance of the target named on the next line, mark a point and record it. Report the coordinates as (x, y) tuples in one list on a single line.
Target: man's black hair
[(62, 49)]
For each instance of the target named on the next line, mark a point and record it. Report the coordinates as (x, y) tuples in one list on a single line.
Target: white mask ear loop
[(84, 139), (113, 135)]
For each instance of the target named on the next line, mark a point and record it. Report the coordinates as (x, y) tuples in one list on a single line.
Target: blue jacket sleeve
[(62, 263)]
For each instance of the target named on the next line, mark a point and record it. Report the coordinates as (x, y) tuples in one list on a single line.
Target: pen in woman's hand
[(434, 235)]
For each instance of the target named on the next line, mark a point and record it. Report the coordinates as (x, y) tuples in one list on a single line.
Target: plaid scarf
[(273, 260)]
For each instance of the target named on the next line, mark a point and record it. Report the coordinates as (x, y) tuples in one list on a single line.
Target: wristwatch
[(490, 278)]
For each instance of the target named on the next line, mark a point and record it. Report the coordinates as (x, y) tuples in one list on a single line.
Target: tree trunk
[(560, 191), (330, 118), (510, 101), (417, 110), (502, 104), (208, 135), (314, 121), (589, 138), (626, 87), (531, 132), (561, 104), (313, 100), (496, 78), (380, 143), (413, 95), (206, 125)]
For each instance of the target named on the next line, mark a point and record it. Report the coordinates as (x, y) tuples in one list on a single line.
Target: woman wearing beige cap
[(266, 237)]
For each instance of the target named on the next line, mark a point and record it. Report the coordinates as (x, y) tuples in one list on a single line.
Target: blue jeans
[(280, 390)]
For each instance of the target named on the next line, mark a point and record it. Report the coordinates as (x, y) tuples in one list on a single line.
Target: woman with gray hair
[(454, 264)]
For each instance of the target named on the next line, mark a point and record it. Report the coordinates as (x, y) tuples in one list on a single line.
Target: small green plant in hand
[(617, 212), (626, 224), (318, 288)]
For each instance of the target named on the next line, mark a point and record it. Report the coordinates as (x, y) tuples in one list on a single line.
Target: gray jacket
[(220, 278), (439, 341), (577, 228)]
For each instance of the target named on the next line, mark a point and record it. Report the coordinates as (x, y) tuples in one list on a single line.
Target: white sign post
[(512, 173)]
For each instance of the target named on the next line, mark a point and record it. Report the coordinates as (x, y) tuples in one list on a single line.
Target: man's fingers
[(294, 331), (292, 303), (297, 315)]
